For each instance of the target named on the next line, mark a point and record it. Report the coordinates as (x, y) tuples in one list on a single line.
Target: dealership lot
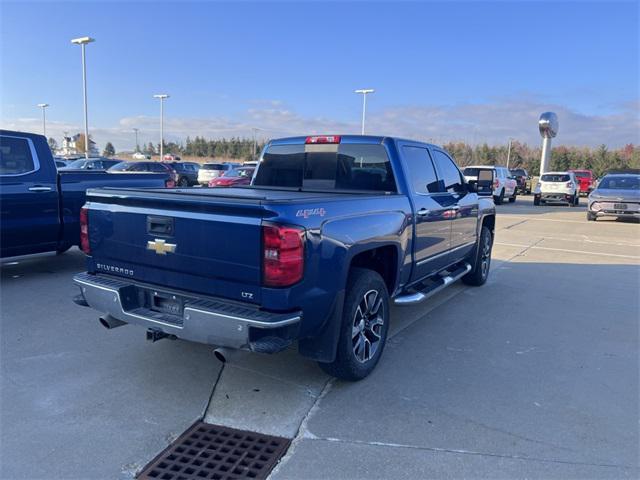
[(533, 375)]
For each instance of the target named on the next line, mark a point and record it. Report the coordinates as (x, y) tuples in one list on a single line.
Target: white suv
[(557, 187), (504, 185)]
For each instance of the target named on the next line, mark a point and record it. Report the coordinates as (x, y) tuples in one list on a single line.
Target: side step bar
[(441, 283)]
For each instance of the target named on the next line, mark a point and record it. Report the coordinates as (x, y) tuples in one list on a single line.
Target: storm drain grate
[(207, 451)]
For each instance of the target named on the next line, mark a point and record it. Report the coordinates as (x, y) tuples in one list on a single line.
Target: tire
[(366, 291), (591, 217), (482, 263), (183, 182), (499, 199), (536, 201), (513, 198), (578, 200), (574, 200)]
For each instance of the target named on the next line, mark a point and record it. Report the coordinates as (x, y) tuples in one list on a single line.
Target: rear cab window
[(327, 167), (16, 156)]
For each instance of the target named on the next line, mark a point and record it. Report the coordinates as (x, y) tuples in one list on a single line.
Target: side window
[(421, 172), (453, 182), (15, 156)]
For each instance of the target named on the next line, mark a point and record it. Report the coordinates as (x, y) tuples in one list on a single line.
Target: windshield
[(519, 172), (213, 166), (582, 174), (327, 167), (620, 183), (77, 164), (555, 177)]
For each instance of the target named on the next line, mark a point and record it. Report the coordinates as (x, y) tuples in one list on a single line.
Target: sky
[(442, 71)]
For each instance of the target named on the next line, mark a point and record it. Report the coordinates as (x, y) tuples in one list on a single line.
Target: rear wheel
[(500, 198), (536, 201), (591, 217), (574, 200), (183, 182), (512, 199), (478, 276), (365, 323)]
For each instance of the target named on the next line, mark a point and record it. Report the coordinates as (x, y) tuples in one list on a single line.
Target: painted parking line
[(580, 252)]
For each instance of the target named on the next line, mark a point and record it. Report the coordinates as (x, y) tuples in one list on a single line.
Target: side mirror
[(483, 186)]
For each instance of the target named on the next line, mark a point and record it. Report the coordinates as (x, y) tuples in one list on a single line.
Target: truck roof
[(347, 139)]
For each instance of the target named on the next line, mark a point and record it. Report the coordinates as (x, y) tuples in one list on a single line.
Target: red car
[(233, 178), (586, 180)]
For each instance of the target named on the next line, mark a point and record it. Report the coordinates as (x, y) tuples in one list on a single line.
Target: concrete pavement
[(533, 375)]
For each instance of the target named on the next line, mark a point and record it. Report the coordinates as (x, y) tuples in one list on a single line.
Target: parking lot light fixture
[(161, 97), (44, 118), (137, 146), (83, 41), (364, 92)]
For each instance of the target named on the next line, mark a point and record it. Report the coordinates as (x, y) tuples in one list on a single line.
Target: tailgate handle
[(160, 225)]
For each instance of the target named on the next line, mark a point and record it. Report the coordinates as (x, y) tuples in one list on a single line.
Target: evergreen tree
[(109, 150)]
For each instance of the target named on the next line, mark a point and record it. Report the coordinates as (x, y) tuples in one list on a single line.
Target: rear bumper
[(559, 197), (208, 320)]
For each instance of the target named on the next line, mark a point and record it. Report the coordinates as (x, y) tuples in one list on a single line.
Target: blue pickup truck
[(40, 205), (331, 231)]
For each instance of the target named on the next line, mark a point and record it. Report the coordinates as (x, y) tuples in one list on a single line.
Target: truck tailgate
[(198, 243)]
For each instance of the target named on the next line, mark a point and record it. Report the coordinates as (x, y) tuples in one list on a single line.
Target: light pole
[(137, 147), (82, 41), (162, 97), (509, 153), (44, 118), (364, 92)]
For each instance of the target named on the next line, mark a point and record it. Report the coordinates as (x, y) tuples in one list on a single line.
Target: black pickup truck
[(330, 232), (40, 205)]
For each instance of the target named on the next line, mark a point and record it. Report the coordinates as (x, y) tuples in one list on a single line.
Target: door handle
[(40, 189), (423, 212)]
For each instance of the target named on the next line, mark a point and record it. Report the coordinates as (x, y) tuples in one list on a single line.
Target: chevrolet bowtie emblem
[(160, 246)]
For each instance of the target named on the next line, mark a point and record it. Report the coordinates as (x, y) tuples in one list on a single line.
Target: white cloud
[(474, 123)]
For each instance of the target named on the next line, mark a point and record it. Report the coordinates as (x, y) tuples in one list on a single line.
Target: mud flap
[(322, 347)]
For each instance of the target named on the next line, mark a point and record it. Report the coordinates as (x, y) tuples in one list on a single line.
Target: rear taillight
[(496, 184), (84, 230), (170, 183), (323, 139), (569, 184), (282, 255)]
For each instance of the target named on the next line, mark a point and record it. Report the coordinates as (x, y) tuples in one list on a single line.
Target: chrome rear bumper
[(200, 319)]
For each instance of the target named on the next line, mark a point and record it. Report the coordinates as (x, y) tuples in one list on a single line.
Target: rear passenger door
[(463, 206), (432, 228), (29, 199)]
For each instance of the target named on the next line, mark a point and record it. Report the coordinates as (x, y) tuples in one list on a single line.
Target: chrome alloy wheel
[(367, 325)]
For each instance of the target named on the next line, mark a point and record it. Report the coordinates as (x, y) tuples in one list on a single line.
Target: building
[(69, 147)]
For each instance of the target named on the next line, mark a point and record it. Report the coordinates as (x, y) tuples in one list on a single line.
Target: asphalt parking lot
[(533, 375)]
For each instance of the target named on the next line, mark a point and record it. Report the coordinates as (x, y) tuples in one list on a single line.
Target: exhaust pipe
[(224, 354), (109, 322)]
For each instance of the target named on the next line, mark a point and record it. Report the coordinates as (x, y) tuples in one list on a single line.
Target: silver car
[(209, 171), (617, 195)]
